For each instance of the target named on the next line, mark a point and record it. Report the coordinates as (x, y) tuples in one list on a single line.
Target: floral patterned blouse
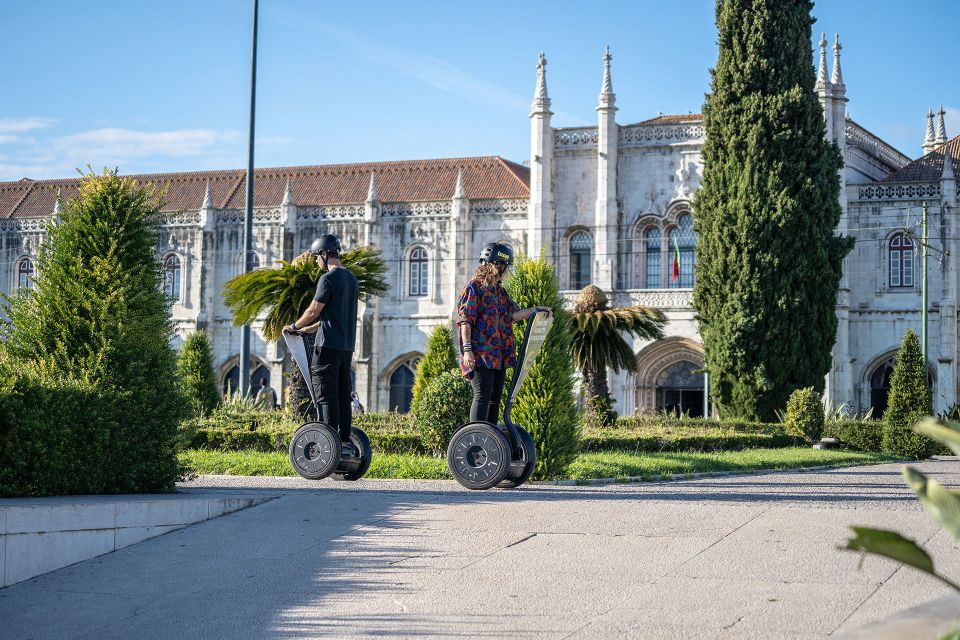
[(489, 312)]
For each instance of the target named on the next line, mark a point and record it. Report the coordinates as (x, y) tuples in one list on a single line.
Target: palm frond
[(284, 292), (598, 340)]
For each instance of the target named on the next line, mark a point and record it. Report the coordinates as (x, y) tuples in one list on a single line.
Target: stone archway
[(666, 378), (876, 382)]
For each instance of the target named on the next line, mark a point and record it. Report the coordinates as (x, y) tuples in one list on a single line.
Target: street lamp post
[(923, 289), (248, 214)]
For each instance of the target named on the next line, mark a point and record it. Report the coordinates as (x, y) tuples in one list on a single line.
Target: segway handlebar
[(533, 339)]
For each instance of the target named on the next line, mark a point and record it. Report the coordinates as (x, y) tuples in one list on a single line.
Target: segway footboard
[(524, 461), (353, 468)]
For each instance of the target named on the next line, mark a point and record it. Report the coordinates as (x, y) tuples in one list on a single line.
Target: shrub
[(805, 414), (92, 402), (195, 366), (908, 403), (439, 357), (546, 404), (444, 406), (858, 435), (599, 413)]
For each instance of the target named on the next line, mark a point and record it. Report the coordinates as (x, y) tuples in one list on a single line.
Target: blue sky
[(163, 86)]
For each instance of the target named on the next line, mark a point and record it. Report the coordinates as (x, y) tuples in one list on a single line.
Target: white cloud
[(129, 150), (19, 125)]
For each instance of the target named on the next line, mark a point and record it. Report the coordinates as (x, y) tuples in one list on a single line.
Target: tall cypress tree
[(768, 262)]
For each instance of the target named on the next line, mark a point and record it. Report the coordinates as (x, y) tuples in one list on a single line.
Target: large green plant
[(768, 264), (805, 416), (283, 293), (444, 406), (941, 503), (909, 402), (597, 343), (546, 405), (97, 327), (438, 358), (195, 366)]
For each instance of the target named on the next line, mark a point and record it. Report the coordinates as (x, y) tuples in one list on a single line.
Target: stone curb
[(696, 476)]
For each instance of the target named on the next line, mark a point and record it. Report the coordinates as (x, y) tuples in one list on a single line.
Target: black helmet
[(327, 242), (496, 252)]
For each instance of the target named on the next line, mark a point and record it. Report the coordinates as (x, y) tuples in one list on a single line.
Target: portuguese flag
[(676, 260)]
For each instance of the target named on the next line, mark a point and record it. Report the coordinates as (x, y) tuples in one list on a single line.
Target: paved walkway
[(734, 557)]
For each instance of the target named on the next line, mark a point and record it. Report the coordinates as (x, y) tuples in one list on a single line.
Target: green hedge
[(271, 431), (866, 435), (643, 434)]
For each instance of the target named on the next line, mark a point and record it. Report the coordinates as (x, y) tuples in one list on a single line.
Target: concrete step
[(39, 535)]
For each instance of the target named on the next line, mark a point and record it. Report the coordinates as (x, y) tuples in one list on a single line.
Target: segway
[(482, 455), (315, 451)]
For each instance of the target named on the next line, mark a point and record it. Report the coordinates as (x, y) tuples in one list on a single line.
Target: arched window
[(171, 277), (652, 238), (419, 272), (401, 388), (581, 247), (901, 261), (231, 381), (680, 389), (683, 241), (25, 273)]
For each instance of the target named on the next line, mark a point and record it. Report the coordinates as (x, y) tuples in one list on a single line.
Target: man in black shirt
[(333, 315)]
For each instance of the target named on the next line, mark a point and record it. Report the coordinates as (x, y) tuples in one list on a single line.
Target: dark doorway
[(680, 389)]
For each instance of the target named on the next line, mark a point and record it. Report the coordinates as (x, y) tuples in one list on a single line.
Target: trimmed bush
[(857, 435), (195, 366), (546, 404), (438, 358), (95, 330), (805, 414), (909, 402), (444, 406)]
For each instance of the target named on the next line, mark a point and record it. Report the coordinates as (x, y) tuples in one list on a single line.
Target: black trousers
[(330, 370), (487, 389)]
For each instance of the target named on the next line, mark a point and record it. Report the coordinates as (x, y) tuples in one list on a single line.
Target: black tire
[(362, 443), (527, 453), (479, 456), (314, 451)]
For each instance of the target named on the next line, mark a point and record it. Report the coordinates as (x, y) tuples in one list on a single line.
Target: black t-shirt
[(338, 291)]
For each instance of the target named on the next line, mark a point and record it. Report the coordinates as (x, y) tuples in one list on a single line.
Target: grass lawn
[(586, 466)]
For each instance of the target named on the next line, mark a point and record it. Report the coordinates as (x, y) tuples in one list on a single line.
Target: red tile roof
[(404, 181), (929, 168), (674, 119)]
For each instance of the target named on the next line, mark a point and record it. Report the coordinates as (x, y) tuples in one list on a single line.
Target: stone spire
[(941, 127), (822, 69), (372, 191), (541, 101), (288, 194), (207, 200), (458, 189), (929, 140), (837, 77), (607, 98), (947, 173)]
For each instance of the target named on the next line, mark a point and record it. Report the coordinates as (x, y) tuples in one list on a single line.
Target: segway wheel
[(314, 451), (362, 444), (479, 456), (527, 453)]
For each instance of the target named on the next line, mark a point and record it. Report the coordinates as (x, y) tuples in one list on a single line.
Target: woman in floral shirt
[(486, 317)]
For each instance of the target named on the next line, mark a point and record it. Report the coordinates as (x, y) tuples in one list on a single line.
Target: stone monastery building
[(606, 204)]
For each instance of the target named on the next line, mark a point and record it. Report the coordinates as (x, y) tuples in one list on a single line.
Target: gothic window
[(581, 248), (680, 389), (401, 388), (680, 253), (880, 387), (25, 273), (419, 272), (652, 238), (231, 381), (901, 261), (171, 277)]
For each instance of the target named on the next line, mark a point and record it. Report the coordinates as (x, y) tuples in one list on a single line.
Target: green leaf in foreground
[(890, 544), (946, 434), (939, 501)]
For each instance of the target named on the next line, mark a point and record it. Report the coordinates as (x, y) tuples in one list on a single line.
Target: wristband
[(293, 325), (468, 346)]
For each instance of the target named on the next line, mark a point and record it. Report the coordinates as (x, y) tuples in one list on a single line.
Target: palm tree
[(598, 343), (281, 294)]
